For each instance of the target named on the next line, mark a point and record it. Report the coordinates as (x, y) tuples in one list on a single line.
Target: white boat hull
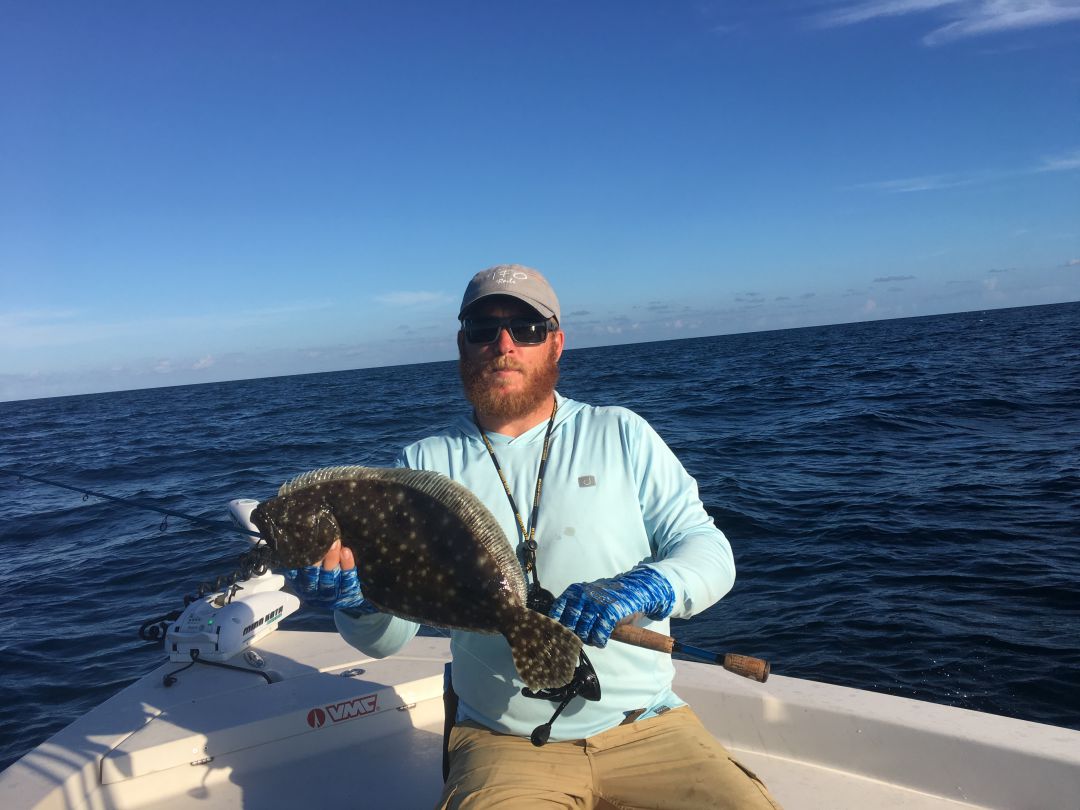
[(336, 725)]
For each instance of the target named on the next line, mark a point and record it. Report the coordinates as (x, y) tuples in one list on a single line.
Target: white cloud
[(204, 362), (615, 328), (1072, 263), (966, 18), (31, 315), (1064, 162), (42, 328), (285, 309), (995, 16), (406, 298), (1067, 162), (992, 291), (37, 327), (910, 184), (861, 12)]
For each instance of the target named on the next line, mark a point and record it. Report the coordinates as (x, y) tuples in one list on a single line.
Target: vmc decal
[(340, 712)]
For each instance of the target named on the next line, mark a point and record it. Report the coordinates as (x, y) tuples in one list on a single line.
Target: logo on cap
[(507, 275)]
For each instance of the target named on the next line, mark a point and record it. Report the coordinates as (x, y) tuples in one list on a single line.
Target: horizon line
[(573, 349)]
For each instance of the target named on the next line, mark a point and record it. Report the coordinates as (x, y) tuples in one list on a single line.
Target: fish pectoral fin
[(545, 652), (327, 529)]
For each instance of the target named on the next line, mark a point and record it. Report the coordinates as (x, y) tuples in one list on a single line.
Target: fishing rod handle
[(755, 669), (646, 639)]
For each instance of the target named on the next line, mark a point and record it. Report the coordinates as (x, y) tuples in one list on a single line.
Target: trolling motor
[(220, 625)]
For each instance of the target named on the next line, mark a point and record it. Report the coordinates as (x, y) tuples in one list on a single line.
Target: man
[(604, 516)]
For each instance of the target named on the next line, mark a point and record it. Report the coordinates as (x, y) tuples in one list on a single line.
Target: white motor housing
[(219, 630), (240, 510)]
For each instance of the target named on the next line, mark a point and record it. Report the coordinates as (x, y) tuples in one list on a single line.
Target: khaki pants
[(668, 762)]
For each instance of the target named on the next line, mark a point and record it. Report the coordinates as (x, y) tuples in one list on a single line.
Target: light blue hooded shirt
[(614, 496)]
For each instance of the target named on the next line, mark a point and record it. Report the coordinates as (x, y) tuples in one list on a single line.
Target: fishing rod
[(251, 565), (754, 668), (135, 503)]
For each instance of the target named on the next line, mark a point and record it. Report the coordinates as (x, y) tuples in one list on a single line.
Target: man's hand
[(592, 609), (331, 584)]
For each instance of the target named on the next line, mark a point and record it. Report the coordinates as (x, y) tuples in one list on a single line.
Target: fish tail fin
[(545, 652)]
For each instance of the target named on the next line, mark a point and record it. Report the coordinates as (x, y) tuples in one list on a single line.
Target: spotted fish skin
[(427, 550)]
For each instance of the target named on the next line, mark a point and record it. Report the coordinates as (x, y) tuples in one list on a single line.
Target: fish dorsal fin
[(341, 473)]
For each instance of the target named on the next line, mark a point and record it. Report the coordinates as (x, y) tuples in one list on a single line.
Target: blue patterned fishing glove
[(592, 609), (329, 590)]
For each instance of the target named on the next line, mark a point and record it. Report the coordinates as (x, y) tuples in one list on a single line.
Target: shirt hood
[(567, 408)]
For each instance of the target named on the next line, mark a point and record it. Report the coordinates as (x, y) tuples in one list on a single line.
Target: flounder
[(426, 549)]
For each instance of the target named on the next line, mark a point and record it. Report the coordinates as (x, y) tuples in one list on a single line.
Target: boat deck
[(336, 725)]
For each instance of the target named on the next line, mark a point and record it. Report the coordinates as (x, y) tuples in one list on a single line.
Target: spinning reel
[(584, 683)]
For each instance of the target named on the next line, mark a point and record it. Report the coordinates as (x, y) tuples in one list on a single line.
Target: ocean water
[(903, 499)]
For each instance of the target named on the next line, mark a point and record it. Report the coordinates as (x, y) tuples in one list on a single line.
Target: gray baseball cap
[(516, 281)]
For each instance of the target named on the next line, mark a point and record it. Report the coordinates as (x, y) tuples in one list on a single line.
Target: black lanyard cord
[(528, 534)]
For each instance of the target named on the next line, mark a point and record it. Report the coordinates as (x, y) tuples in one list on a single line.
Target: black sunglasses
[(524, 331)]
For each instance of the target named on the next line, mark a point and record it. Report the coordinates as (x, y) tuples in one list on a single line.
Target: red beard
[(489, 397)]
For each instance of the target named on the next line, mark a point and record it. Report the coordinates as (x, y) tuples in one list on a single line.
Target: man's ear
[(560, 340)]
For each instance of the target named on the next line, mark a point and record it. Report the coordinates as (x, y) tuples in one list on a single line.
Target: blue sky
[(196, 192)]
